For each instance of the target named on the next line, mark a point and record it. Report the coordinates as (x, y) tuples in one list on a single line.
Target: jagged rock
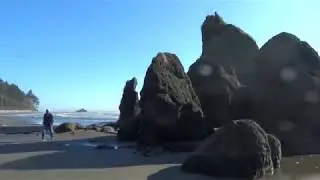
[(170, 108), (239, 149), (227, 45), (81, 110), (276, 152), (129, 110), (215, 93), (225, 64), (285, 93), (68, 127)]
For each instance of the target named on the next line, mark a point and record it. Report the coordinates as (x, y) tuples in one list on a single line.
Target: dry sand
[(23, 156)]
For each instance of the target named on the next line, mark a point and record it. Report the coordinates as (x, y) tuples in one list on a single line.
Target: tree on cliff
[(12, 97), (34, 99)]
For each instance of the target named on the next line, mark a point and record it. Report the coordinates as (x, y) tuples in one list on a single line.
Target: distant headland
[(13, 98)]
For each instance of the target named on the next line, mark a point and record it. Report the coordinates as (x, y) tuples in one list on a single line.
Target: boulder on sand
[(285, 93), (170, 109), (109, 127), (68, 127), (129, 109), (225, 64), (239, 149), (276, 151), (94, 127)]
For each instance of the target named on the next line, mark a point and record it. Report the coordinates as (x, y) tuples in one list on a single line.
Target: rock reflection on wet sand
[(298, 168)]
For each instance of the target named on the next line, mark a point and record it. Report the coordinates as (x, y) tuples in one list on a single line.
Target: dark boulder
[(68, 127), (170, 108), (94, 127), (225, 64), (276, 152), (239, 149), (285, 93), (129, 110), (108, 129)]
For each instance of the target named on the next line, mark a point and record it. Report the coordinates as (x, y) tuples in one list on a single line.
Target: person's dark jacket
[(47, 119)]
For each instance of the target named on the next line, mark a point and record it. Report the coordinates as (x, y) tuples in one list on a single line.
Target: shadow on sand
[(20, 129), (174, 172), (56, 155)]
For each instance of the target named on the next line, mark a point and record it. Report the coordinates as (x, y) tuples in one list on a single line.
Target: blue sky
[(79, 53)]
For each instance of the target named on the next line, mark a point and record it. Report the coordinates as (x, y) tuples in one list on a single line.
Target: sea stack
[(224, 66), (285, 93), (170, 108)]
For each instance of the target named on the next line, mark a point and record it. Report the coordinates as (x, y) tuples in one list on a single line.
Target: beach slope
[(72, 157)]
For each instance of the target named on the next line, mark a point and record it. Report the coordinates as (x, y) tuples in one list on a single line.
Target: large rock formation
[(225, 64), (227, 45), (215, 93), (239, 149), (170, 109), (285, 93), (129, 110)]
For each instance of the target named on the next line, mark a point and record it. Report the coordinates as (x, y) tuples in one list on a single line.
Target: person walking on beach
[(47, 124)]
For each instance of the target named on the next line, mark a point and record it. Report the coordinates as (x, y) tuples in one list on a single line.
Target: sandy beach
[(24, 156)]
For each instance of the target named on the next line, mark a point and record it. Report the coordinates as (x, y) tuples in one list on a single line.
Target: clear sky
[(79, 53)]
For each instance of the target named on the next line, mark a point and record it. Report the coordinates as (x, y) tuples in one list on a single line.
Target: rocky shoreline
[(274, 90), (238, 109)]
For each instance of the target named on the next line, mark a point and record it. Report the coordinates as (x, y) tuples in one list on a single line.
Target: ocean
[(84, 118)]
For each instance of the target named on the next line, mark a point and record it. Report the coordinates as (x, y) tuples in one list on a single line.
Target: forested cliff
[(13, 98)]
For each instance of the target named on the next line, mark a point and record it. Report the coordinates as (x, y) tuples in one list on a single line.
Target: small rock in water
[(297, 162)]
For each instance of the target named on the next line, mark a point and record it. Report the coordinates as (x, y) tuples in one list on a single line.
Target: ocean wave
[(84, 122), (25, 115), (72, 115), (15, 111)]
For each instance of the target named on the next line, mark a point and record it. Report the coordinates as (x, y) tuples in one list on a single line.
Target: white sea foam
[(14, 111), (73, 115), (84, 118)]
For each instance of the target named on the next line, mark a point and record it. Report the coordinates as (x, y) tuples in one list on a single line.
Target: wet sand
[(23, 156)]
